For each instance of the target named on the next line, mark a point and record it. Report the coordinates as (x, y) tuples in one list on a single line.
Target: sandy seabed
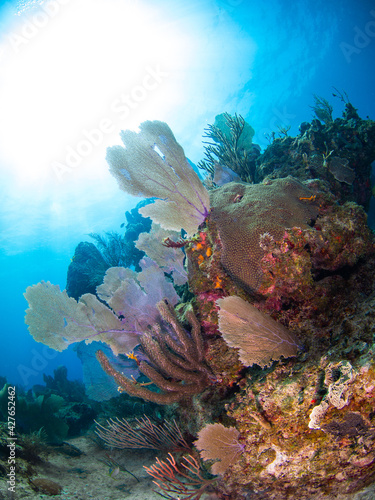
[(85, 477)]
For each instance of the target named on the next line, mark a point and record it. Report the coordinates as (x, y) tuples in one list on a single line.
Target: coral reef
[(307, 266), (320, 433), (269, 357), (61, 385), (338, 152), (50, 413)]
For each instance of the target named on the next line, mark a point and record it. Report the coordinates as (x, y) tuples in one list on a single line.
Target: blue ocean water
[(69, 85)]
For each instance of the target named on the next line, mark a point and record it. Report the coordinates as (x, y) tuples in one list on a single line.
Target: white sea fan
[(153, 165)]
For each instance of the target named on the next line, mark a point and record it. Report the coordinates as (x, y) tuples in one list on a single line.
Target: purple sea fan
[(259, 338), (169, 258), (57, 320), (153, 165)]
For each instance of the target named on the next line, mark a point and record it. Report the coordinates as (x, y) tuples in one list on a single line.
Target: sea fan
[(153, 165), (259, 338), (217, 442)]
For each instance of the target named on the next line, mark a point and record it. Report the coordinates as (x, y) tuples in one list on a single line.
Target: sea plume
[(259, 338)]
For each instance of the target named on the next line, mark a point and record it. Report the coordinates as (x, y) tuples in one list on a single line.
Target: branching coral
[(153, 164), (185, 479), (231, 147), (176, 364), (113, 247), (322, 109)]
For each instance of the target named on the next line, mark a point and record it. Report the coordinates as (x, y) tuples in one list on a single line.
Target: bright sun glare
[(73, 76)]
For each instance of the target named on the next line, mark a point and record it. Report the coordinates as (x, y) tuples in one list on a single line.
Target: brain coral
[(244, 212)]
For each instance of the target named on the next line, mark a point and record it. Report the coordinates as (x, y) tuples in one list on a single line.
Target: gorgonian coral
[(259, 338), (153, 165), (170, 258), (58, 320), (217, 442)]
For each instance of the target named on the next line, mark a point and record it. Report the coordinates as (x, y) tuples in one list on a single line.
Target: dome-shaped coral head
[(246, 215)]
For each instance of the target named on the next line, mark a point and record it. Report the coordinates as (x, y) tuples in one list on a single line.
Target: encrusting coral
[(338, 390), (294, 266)]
